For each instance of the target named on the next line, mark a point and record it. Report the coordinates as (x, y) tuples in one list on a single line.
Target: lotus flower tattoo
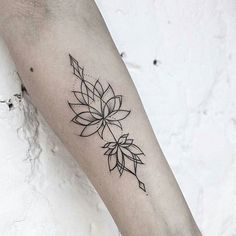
[(98, 110)]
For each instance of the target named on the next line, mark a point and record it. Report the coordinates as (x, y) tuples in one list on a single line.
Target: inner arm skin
[(40, 35)]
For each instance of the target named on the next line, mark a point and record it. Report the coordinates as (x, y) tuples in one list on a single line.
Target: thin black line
[(111, 133)]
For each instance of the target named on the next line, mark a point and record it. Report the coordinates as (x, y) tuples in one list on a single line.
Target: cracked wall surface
[(182, 58)]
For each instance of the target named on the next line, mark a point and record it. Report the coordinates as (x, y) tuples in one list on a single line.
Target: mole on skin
[(31, 69)]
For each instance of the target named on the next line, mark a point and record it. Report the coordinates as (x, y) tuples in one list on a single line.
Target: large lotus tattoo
[(99, 111)]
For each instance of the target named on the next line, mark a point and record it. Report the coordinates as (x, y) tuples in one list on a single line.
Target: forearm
[(40, 38)]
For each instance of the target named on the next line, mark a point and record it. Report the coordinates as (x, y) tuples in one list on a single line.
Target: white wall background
[(189, 95)]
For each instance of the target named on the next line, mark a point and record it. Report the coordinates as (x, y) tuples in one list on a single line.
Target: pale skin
[(40, 35)]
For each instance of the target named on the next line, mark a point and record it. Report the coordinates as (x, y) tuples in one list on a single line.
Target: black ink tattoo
[(99, 111)]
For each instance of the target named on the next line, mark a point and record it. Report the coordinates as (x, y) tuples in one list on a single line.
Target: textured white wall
[(189, 96)]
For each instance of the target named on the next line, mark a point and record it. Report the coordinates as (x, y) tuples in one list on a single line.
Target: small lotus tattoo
[(98, 110)]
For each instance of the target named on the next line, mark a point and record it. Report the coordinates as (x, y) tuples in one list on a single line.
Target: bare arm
[(74, 74)]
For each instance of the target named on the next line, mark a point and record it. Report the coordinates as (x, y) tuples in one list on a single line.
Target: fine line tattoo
[(99, 111)]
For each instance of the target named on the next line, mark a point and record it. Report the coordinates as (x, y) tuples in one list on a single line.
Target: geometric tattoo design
[(99, 112)]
